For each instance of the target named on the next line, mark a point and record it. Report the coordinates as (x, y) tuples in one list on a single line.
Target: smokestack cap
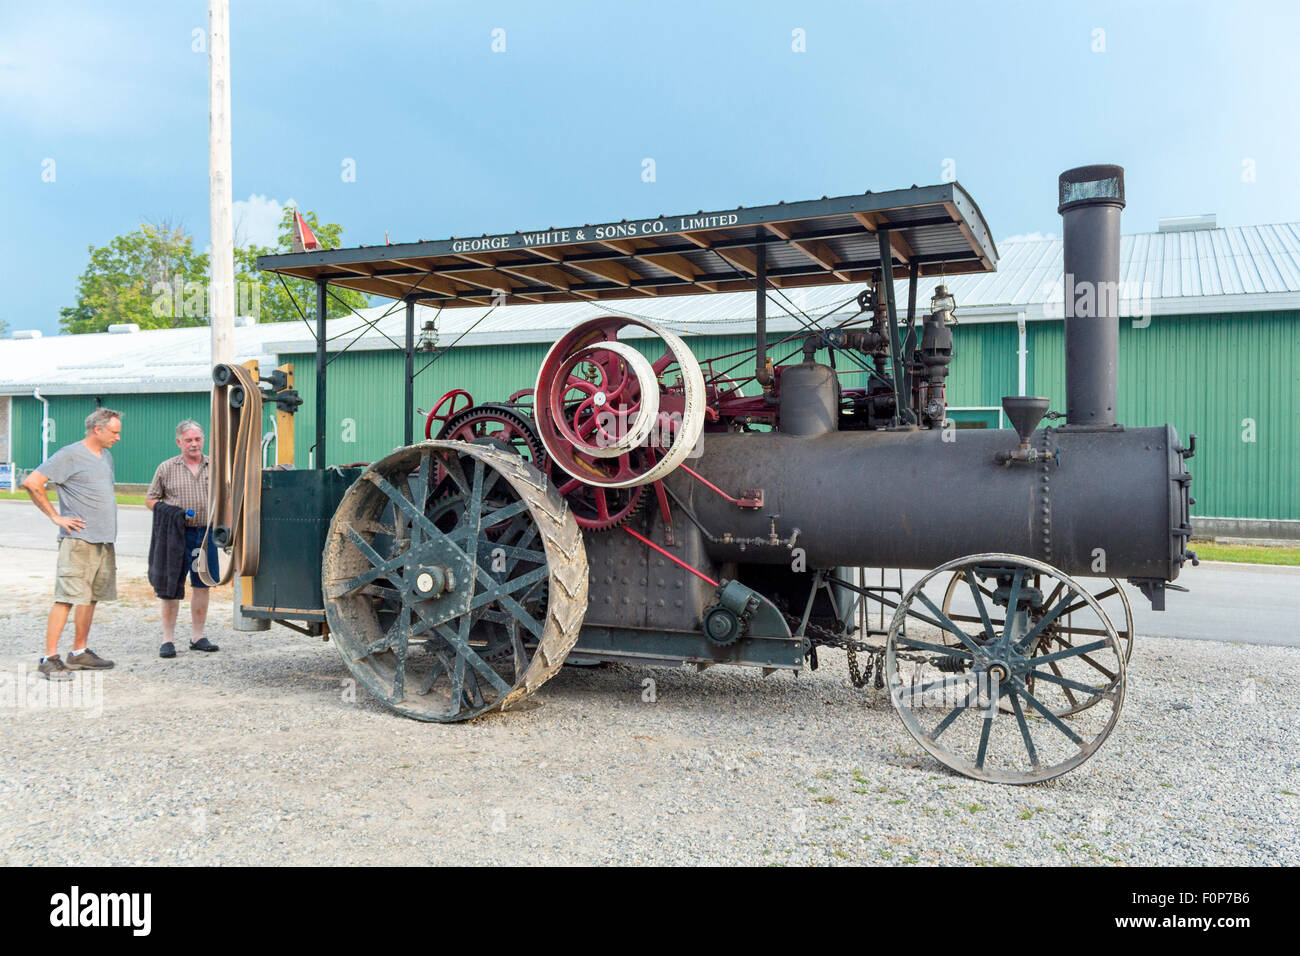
[(1091, 186)]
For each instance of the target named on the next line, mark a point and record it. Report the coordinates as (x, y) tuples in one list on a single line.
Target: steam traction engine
[(637, 504)]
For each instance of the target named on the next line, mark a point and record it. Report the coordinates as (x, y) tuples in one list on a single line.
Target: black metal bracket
[(1153, 588)]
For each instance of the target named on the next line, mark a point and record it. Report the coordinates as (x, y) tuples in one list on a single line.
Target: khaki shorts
[(86, 573)]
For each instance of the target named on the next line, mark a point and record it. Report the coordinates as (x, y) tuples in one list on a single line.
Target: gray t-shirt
[(85, 485)]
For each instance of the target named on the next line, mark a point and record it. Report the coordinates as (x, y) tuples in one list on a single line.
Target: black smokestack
[(1091, 199)]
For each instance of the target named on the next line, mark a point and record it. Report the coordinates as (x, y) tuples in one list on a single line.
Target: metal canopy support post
[(321, 287), (891, 310), (409, 433), (909, 340), (760, 315)]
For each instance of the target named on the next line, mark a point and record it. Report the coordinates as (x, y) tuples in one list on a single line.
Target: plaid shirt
[(174, 484)]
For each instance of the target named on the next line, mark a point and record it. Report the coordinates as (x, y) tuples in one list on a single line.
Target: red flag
[(304, 240)]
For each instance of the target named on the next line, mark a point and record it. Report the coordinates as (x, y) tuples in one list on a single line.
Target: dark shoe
[(87, 660), (203, 644), (54, 669), (167, 650)]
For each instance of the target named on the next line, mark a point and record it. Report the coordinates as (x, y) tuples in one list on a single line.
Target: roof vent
[(27, 334), (123, 328), (1187, 223), (244, 321)]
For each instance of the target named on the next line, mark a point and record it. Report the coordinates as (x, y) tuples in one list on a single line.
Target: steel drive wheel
[(949, 694), (453, 596)]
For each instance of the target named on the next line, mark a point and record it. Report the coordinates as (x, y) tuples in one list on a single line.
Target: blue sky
[(1197, 100)]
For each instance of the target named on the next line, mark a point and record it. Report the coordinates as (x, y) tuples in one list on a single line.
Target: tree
[(276, 304), (4, 327), (153, 277), (133, 277)]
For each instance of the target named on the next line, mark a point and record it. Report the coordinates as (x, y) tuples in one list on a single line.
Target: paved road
[(1251, 603), (22, 526)]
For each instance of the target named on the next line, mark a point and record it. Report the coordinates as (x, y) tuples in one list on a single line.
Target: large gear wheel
[(596, 508), (499, 425)]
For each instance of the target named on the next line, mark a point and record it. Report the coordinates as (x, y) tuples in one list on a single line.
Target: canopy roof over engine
[(927, 230)]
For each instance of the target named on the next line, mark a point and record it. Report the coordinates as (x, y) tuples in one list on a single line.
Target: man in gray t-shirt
[(87, 522)]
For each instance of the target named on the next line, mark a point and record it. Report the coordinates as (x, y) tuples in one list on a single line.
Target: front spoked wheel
[(983, 696), (1063, 632)]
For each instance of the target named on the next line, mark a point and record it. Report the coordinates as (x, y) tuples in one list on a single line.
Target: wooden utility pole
[(221, 300)]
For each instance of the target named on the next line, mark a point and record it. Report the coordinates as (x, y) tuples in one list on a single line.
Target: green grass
[(1245, 553), (53, 496)]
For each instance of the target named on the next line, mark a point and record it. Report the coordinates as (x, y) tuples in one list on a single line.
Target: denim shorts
[(193, 542)]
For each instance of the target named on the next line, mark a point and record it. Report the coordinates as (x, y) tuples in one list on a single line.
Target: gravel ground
[(260, 755)]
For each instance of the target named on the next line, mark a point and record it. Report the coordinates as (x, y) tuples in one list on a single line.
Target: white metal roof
[(161, 360), (1231, 269)]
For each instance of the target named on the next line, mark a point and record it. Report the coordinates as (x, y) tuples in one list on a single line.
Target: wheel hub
[(434, 580)]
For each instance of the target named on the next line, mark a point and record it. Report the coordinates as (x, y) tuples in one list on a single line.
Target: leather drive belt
[(235, 466)]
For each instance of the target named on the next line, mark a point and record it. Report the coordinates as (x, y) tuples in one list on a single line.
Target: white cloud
[(257, 220), (1029, 237)]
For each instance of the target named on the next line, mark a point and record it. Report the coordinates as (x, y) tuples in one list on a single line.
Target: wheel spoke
[(1051, 717), (452, 466), (1110, 675), (912, 693), (490, 520), (436, 670), (520, 653), (1013, 600), (984, 740), (979, 603), (400, 648), (1069, 695), (467, 654), (1024, 729), (378, 590), (420, 481), (473, 694), (380, 567), (948, 625), (1067, 683), (457, 686), (1070, 652), (498, 589), (517, 553), (947, 721)]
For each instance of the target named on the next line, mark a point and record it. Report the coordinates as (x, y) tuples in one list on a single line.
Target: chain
[(819, 636)]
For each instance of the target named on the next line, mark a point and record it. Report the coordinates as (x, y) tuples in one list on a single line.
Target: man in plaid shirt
[(183, 482)]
